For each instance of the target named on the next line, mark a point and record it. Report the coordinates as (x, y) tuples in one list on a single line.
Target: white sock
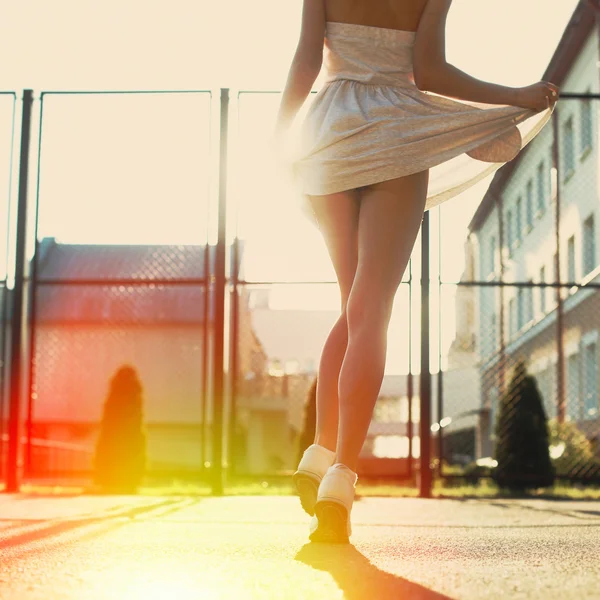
[(329, 454), (348, 470)]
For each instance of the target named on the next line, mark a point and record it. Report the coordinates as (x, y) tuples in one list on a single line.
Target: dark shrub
[(120, 458), (522, 436), (590, 471)]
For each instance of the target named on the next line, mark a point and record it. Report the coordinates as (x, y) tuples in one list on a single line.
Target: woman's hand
[(538, 97)]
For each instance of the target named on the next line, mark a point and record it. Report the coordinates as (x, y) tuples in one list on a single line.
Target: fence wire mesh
[(83, 336), (280, 341), (290, 309), (118, 284), (529, 295)]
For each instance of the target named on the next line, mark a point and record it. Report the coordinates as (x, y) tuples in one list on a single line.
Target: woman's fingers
[(553, 89)]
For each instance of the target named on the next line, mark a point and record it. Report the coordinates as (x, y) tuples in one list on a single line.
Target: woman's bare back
[(388, 14)]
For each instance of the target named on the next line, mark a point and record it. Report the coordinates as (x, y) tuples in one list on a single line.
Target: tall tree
[(120, 458), (522, 440)]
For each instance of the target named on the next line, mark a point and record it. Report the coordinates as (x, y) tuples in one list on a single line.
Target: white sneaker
[(334, 504), (313, 466)]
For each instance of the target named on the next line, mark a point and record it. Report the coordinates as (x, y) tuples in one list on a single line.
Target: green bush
[(569, 448), (120, 457), (480, 469), (522, 437)]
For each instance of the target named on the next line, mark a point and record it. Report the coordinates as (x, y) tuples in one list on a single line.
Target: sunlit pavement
[(115, 547)]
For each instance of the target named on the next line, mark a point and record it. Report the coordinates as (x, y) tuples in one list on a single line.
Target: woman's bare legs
[(390, 216), (337, 215)]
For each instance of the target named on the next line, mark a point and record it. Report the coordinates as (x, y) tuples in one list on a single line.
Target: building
[(293, 341), (513, 234), (461, 385), (85, 332)]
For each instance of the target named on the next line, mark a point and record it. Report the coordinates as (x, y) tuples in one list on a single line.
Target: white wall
[(534, 247)]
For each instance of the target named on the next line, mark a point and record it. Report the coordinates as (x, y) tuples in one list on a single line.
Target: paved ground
[(92, 547)]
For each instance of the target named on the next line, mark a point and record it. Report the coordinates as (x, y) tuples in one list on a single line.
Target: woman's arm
[(306, 64), (432, 72)]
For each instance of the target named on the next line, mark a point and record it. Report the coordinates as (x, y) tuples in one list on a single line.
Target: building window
[(292, 367), (552, 177), (571, 260), (573, 387), (530, 302), (520, 309), (529, 205), (552, 408), (586, 124), (543, 384), (511, 318), (568, 148), (493, 396), (541, 186), (589, 245), (590, 381), (492, 258), (518, 221), (509, 231), (276, 368), (543, 291), (309, 366)]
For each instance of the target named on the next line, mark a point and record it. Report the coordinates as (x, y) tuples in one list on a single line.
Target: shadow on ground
[(576, 513), (360, 579), (51, 530)]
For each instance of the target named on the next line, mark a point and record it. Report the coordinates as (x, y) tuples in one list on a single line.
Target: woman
[(393, 132)]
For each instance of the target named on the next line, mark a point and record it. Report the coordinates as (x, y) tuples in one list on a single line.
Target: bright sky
[(135, 169)]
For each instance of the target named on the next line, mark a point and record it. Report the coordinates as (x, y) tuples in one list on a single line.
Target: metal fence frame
[(23, 301), (22, 346), (4, 292), (24, 304)]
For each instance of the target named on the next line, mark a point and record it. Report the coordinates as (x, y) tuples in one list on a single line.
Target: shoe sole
[(333, 521), (307, 486)]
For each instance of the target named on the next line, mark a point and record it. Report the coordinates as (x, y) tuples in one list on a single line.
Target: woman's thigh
[(391, 213), (337, 218)]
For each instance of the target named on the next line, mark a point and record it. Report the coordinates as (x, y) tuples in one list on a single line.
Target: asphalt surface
[(117, 547)]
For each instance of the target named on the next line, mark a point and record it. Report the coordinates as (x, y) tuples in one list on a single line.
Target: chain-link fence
[(281, 337), (529, 293), (287, 304), (119, 277), (114, 280), (132, 290)]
